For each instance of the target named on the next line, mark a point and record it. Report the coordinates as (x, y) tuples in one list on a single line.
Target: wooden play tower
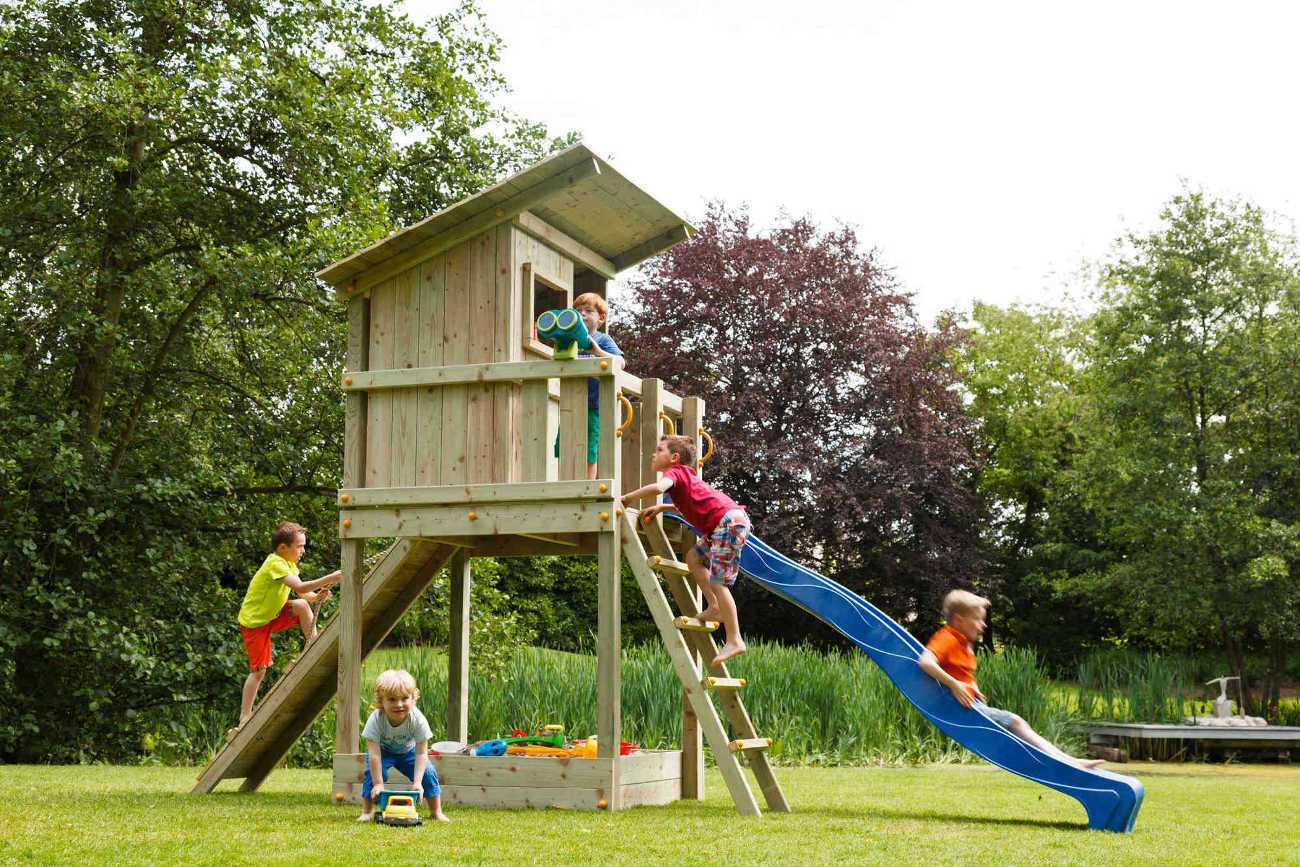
[(453, 406)]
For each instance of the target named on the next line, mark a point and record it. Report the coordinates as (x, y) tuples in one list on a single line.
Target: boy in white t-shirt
[(397, 736)]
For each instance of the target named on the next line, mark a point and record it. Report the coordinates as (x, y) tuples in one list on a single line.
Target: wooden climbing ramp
[(293, 702)]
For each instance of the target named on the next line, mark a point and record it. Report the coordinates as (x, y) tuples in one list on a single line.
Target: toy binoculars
[(566, 330)]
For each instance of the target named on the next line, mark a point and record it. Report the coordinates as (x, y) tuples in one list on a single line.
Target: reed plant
[(1126, 685), (822, 708)]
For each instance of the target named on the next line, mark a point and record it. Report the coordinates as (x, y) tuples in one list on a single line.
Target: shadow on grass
[(935, 816)]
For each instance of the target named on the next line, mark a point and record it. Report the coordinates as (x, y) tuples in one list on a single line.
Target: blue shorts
[(405, 764), (1002, 717)]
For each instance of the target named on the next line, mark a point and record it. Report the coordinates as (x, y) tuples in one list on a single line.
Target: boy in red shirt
[(715, 561), (949, 658)]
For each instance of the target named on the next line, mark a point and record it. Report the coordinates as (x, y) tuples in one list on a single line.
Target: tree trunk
[(1236, 664), (95, 351)]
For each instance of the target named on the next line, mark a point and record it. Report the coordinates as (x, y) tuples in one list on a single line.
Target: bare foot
[(1088, 764), (366, 817), (728, 650), (440, 817), (709, 614)]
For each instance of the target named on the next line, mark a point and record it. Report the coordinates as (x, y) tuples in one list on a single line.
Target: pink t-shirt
[(701, 504)]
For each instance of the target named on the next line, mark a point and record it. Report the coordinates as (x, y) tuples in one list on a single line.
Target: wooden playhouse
[(453, 406)]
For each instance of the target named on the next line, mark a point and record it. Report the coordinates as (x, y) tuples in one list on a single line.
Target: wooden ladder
[(685, 636)]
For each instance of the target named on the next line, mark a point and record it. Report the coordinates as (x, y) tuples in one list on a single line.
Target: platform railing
[(626, 444)]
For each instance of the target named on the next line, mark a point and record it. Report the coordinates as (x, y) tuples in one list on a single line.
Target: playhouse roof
[(573, 191)]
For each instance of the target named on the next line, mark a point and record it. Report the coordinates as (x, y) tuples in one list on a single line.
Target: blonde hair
[(962, 602), (395, 683)]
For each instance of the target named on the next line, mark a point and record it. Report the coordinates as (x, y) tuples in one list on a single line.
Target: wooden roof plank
[(574, 249), (341, 271), (486, 219), (657, 244), (605, 213)]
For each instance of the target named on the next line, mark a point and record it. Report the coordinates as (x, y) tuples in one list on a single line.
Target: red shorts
[(257, 641)]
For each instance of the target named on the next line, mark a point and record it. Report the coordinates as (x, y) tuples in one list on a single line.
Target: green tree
[(1023, 370), (176, 172), (1194, 453)]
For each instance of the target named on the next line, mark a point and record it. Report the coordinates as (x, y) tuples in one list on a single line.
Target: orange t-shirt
[(954, 653)]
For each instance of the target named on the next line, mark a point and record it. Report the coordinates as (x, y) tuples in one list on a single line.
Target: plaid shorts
[(722, 552)]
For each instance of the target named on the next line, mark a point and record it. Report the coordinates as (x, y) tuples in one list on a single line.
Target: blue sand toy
[(1111, 800), (566, 330), (489, 748)]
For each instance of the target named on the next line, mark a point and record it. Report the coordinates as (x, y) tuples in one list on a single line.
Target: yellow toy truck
[(398, 808)]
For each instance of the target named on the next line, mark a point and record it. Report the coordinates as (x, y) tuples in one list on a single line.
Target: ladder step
[(694, 624), (723, 682), (673, 567), (749, 744)]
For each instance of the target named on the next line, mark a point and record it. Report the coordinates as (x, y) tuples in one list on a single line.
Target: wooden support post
[(609, 463), (347, 731), (652, 403), (458, 650), (347, 734), (692, 421), (692, 736), (609, 721)]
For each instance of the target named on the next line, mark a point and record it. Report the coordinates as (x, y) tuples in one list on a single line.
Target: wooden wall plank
[(533, 431), (692, 422), (507, 412), (455, 348), (647, 766), (482, 290), (428, 426), (609, 463), (406, 355), (523, 492), (630, 449), (573, 429), (651, 429), (379, 409), (487, 520), (354, 413)]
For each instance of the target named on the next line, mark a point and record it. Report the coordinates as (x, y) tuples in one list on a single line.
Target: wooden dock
[(1167, 741)]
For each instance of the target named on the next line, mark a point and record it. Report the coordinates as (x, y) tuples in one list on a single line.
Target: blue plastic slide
[(1111, 800)]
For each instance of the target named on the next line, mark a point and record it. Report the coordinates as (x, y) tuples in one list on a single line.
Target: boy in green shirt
[(267, 608)]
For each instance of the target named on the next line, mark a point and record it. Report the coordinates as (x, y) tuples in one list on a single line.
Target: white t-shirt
[(397, 739)]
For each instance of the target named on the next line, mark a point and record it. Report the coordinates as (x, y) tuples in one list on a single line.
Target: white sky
[(985, 149)]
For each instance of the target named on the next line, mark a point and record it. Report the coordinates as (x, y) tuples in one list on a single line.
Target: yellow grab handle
[(708, 452), (669, 422), (630, 413)]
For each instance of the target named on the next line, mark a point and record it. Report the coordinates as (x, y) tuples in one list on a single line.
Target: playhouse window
[(541, 295)]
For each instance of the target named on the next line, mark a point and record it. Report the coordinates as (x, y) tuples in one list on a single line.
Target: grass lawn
[(1193, 814)]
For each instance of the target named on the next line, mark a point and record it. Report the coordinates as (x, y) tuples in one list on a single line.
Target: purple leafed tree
[(835, 413)]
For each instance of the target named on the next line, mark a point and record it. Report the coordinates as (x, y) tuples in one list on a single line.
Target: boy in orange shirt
[(949, 658)]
